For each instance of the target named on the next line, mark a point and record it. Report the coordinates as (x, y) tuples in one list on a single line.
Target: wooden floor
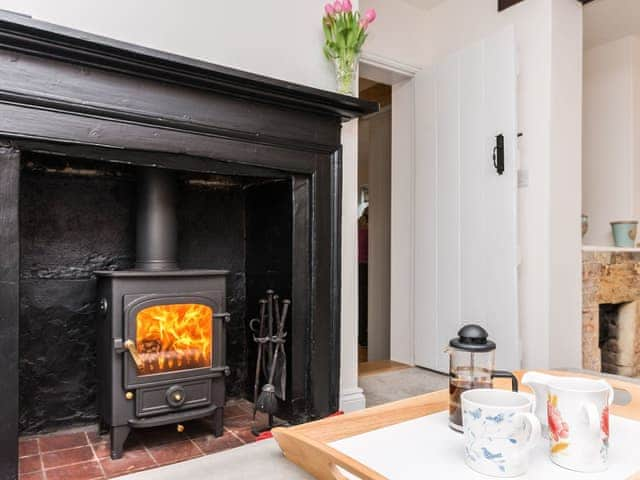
[(362, 354), (382, 366)]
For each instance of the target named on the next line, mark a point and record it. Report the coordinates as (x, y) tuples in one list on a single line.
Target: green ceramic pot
[(624, 233)]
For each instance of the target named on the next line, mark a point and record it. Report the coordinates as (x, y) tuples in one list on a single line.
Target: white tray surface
[(427, 448)]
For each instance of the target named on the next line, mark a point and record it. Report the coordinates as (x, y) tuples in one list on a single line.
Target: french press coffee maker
[(471, 365)]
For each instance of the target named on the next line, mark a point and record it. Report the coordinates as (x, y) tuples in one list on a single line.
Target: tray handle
[(319, 459), (333, 470)]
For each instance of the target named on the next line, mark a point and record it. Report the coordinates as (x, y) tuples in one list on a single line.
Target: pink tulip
[(329, 10), (364, 24), (370, 15), (346, 5), (337, 6)]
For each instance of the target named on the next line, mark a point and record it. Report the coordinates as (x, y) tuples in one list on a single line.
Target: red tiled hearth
[(132, 461), (78, 471), (62, 441), (178, 451), (85, 455), (30, 464), (32, 476), (28, 447)]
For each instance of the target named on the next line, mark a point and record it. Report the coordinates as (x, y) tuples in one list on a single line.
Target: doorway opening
[(388, 342), (374, 227)]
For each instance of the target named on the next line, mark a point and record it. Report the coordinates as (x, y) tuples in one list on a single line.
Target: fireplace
[(619, 346), (161, 334), (127, 109), (611, 319)]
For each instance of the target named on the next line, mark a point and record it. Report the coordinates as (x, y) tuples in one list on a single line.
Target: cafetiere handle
[(506, 374)]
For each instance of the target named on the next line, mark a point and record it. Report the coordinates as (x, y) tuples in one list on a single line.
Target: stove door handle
[(133, 351)]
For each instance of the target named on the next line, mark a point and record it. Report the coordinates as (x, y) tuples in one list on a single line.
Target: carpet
[(397, 385)]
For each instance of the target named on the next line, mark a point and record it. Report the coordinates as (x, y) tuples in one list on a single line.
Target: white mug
[(499, 431), (578, 417)]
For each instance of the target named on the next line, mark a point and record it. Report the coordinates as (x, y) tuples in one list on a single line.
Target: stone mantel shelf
[(604, 248)]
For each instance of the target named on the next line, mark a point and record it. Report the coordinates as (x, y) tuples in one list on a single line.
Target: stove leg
[(118, 437), (218, 415)]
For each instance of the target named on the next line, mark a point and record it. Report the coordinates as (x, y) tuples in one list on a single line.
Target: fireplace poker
[(270, 323), (281, 367), (276, 340)]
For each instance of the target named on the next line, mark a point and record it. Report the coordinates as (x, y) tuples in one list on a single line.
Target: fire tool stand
[(271, 363)]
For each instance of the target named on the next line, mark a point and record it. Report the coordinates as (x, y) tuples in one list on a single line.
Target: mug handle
[(535, 429), (506, 374), (593, 418)]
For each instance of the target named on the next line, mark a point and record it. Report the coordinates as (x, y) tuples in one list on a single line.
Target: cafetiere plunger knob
[(473, 338)]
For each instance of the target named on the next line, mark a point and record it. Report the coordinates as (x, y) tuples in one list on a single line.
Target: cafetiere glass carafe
[(471, 365)]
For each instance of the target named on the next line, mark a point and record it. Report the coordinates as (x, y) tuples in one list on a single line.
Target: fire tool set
[(271, 363)]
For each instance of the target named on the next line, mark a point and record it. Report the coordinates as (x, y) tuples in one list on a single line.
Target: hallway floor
[(399, 384)]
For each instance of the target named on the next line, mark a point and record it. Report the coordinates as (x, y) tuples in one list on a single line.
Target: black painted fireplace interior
[(78, 216)]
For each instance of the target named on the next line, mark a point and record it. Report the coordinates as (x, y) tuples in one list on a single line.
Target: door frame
[(401, 78)]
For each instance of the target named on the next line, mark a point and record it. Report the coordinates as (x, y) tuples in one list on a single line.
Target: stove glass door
[(172, 337)]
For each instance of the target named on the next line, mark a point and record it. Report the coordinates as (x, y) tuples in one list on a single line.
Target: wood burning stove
[(161, 335)]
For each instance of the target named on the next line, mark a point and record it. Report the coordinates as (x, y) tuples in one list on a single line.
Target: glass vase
[(345, 72)]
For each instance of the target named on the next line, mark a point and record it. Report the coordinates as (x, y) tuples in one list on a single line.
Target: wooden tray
[(308, 445)]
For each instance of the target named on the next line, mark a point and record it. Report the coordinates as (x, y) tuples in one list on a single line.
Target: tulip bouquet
[(345, 32)]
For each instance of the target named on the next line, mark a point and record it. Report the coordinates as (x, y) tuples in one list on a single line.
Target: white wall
[(533, 38), (548, 228), (351, 396), (402, 215), (278, 38), (611, 142), (446, 29), (399, 32), (565, 275)]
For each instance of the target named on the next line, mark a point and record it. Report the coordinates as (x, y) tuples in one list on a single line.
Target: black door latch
[(498, 154)]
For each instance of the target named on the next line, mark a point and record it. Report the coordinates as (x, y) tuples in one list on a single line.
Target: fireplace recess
[(161, 332)]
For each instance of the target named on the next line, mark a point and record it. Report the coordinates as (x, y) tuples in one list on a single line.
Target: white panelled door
[(465, 213)]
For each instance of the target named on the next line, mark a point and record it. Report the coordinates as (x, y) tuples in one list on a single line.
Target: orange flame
[(174, 337)]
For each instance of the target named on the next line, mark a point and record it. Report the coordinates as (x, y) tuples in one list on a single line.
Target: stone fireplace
[(610, 314), (618, 333), (78, 115)]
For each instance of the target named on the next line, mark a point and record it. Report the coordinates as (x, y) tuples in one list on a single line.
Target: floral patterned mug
[(499, 431), (578, 419)]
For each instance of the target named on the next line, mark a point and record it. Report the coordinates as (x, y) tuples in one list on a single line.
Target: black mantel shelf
[(24, 34)]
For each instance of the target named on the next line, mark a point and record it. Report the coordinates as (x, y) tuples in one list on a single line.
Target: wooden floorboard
[(381, 366)]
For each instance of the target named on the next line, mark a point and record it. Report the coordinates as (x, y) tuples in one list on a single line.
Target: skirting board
[(352, 400)]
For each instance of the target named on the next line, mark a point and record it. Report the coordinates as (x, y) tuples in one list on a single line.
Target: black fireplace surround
[(69, 95)]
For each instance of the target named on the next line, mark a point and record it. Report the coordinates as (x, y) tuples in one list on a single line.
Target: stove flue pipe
[(157, 225)]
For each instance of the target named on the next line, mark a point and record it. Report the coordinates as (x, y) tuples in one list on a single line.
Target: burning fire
[(174, 337)]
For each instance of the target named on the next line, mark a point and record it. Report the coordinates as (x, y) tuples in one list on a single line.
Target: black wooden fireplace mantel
[(65, 92)]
